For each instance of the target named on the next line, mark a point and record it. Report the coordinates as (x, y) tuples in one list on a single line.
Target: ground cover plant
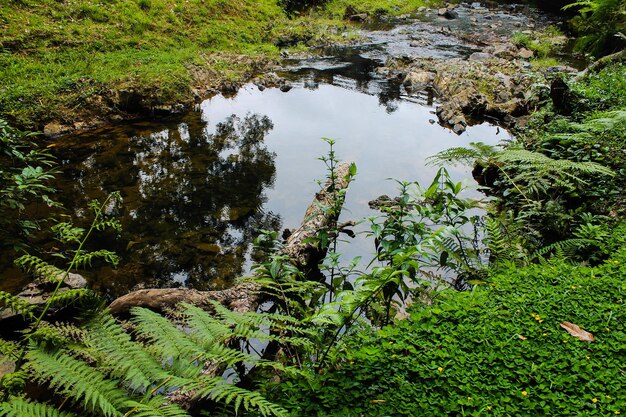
[(494, 351)]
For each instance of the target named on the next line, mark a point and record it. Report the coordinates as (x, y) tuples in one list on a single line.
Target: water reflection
[(192, 198)]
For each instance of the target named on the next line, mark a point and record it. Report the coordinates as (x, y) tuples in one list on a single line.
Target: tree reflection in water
[(193, 200)]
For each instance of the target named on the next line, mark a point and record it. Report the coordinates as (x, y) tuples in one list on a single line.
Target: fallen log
[(247, 296), (602, 63)]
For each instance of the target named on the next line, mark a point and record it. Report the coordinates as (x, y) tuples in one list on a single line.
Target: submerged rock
[(54, 129)]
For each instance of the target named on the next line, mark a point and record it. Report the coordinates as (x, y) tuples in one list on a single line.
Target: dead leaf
[(577, 332), (522, 337)]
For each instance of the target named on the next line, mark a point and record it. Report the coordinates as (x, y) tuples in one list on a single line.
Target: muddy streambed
[(199, 187)]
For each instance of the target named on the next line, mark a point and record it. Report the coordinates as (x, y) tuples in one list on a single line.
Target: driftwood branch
[(243, 297), (602, 63)]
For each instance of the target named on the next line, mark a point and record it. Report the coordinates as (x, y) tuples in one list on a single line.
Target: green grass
[(58, 55), (65, 60), (337, 8), (543, 43)]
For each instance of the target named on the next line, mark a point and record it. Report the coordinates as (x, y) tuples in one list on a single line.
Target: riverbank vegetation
[(149, 56), (538, 328), (144, 55)]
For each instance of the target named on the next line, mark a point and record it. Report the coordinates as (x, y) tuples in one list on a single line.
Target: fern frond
[(10, 348), (67, 233), (156, 407), (475, 151), (127, 360), (84, 259), (565, 249), (37, 266), (227, 393), (165, 338), (19, 407), (69, 296), (77, 380), (495, 240), (544, 164), (17, 305), (71, 332)]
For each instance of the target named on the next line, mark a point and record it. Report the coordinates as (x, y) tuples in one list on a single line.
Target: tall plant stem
[(60, 281)]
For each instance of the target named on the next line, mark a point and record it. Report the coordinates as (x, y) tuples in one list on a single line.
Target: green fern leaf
[(19, 407), (156, 407), (124, 358), (17, 305), (77, 380)]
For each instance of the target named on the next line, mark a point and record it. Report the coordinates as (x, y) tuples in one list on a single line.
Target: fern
[(77, 380), (40, 268), (125, 359), (85, 259), (19, 407), (156, 407), (70, 296), (165, 338), (10, 349), (17, 305), (67, 233), (228, 393)]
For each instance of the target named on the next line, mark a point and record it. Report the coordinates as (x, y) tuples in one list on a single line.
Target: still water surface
[(198, 189)]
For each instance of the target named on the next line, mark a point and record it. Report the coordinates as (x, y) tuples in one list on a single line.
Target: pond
[(198, 188)]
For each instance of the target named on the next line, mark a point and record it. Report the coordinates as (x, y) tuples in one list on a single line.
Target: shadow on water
[(192, 199)]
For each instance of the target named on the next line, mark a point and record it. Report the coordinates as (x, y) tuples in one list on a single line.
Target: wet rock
[(562, 98), (506, 81), (458, 128), (525, 53), (559, 69), (75, 281), (417, 43), (53, 129), (129, 101), (285, 87), (448, 13), (212, 248), (503, 96), (175, 108), (503, 50), (480, 56), (6, 366), (311, 85), (359, 17), (39, 291), (418, 80)]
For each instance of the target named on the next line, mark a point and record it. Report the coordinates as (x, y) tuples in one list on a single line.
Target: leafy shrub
[(25, 175), (598, 23)]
